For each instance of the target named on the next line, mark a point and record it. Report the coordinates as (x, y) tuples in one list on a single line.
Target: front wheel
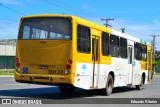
[(67, 90), (109, 86)]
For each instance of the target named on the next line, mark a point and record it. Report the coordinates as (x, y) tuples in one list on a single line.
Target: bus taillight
[(69, 61), (18, 64), (68, 66), (17, 60)]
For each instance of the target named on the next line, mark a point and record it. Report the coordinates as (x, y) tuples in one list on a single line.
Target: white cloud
[(10, 1), (142, 30), (157, 22)]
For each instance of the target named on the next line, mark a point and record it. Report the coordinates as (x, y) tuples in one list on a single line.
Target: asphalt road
[(11, 89)]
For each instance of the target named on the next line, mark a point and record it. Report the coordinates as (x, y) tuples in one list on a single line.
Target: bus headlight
[(66, 71)]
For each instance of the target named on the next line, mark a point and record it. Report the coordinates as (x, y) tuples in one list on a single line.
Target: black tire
[(139, 87), (109, 86), (67, 90)]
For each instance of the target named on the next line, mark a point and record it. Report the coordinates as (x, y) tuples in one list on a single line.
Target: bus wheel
[(139, 87), (109, 86), (67, 90)]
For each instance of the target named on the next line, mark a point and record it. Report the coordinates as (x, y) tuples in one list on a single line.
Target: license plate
[(42, 67)]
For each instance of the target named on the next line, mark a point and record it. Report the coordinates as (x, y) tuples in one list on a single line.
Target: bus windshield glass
[(46, 28)]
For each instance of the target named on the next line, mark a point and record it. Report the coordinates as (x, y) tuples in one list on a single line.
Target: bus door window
[(130, 55), (95, 44), (95, 59)]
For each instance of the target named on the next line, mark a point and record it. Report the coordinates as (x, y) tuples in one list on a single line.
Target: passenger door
[(130, 63), (95, 61)]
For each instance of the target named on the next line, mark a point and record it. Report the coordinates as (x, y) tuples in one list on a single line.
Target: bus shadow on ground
[(54, 93)]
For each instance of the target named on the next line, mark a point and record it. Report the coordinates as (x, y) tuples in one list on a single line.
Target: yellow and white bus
[(69, 52)]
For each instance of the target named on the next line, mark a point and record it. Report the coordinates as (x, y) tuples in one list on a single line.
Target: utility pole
[(107, 20), (123, 30), (153, 42), (154, 38)]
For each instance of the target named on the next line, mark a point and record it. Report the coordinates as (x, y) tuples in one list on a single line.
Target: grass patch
[(6, 72), (157, 74)]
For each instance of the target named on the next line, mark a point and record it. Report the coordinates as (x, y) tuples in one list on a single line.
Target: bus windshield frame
[(46, 28)]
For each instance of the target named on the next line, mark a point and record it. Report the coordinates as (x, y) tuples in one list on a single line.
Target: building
[(7, 53)]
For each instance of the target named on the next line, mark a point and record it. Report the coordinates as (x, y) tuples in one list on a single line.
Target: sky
[(140, 18)]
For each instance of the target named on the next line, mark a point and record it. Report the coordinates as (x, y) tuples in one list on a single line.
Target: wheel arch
[(143, 76), (112, 74)]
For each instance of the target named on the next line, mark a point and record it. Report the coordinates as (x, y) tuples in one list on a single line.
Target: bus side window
[(144, 52), (114, 45), (83, 39), (138, 51), (105, 44), (123, 48)]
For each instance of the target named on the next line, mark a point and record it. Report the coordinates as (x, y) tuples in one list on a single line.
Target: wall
[(7, 56)]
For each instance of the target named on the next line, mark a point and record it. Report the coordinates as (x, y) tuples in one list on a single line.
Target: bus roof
[(91, 24), (114, 32)]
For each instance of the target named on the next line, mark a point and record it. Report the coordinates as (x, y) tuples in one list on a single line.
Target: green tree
[(156, 61)]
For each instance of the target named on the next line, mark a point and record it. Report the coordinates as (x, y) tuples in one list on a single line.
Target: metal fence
[(7, 62), (157, 69)]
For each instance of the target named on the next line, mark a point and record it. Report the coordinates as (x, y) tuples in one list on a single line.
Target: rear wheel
[(139, 87), (67, 90), (109, 86)]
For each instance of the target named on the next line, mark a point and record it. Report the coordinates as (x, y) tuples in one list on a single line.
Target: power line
[(57, 5), (11, 9), (122, 25), (75, 10), (9, 19), (70, 8)]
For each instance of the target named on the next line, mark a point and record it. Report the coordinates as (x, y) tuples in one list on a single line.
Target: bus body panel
[(45, 59), (40, 57)]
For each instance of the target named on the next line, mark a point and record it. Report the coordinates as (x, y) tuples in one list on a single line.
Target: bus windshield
[(46, 28)]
